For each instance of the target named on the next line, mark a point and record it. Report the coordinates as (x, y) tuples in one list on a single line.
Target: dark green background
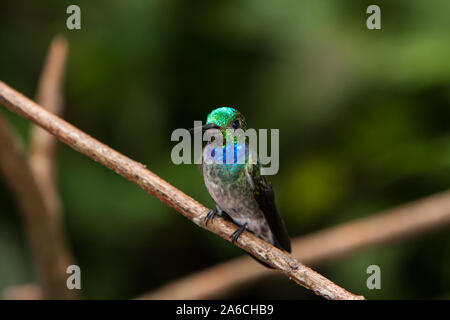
[(363, 118)]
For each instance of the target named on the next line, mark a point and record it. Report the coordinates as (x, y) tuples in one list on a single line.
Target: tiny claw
[(210, 216), (236, 234)]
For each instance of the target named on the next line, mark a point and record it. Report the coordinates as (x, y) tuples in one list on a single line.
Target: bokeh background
[(364, 119)]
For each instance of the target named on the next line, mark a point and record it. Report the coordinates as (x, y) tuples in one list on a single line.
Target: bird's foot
[(211, 215), (235, 235)]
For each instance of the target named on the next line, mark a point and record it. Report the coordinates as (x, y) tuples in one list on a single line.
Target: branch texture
[(191, 209), (399, 223)]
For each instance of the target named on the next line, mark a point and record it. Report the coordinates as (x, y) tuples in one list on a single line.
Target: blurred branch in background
[(42, 149), (29, 291), (30, 177), (398, 223), (191, 209)]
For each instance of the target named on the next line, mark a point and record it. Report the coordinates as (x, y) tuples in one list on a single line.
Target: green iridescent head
[(227, 117)]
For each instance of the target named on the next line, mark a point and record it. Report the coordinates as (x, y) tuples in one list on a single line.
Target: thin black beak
[(204, 128)]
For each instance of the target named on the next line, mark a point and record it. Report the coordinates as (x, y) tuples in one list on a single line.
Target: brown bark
[(396, 224), (191, 209)]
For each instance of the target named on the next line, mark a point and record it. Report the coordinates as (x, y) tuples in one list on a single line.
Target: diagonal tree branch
[(399, 223), (31, 180), (191, 209)]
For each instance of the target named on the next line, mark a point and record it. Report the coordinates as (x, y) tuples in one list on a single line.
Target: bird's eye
[(236, 123)]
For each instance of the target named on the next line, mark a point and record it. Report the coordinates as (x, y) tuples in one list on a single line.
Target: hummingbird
[(241, 193)]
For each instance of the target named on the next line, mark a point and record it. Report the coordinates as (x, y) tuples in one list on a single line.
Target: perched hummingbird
[(240, 192)]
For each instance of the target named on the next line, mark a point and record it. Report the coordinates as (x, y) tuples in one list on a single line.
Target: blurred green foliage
[(363, 117)]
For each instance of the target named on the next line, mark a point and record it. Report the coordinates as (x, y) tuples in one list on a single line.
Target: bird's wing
[(264, 196)]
